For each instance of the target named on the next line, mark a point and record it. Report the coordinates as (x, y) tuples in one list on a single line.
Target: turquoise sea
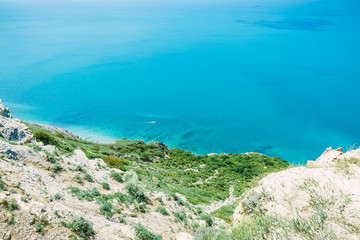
[(273, 76)]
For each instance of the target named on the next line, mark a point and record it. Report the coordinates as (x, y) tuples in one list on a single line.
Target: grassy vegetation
[(57, 168), (82, 227), (193, 176), (225, 213), (116, 176), (105, 186), (40, 222), (324, 217), (162, 210), (180, 217), (2, 184), (88, 177), (9, 204), (88, 195), (208, 219), (144, 234), (133, 186), (254, 202), (106, 208), (26, 198), (344, 165)]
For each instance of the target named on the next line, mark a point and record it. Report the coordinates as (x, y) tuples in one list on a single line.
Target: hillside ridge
[(56, 185)]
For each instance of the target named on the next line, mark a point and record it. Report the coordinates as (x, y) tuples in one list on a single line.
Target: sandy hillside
[(318, 201)]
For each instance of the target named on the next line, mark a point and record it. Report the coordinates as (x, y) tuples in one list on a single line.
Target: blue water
[(278, 77)]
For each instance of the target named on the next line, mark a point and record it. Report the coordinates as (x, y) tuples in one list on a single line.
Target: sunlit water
[(277, 77)]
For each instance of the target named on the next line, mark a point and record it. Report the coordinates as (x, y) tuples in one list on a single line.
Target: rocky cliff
[(11, 128)]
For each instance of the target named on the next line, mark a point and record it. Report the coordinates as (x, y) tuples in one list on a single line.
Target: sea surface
[(273, 76)]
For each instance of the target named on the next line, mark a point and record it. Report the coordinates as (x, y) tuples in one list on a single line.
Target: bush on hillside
[(134, 187), (143, 234), (82, 227), (45, 138), (116, 162)]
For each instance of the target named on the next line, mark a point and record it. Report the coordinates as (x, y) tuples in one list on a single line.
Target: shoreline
[(294, 155)]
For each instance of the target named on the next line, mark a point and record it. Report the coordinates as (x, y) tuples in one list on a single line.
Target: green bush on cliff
[(162, 210), (105, 186), (143, 234), (134, 188), (116, 176), (2, 184), (116, 162), (208, 219), (45, 138), (9, 204), (82, 227)]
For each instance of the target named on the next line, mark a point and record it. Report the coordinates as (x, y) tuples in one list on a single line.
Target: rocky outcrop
[(158, 144), (4, 112), (13, 129), (20, 152), (55, 130), (326, 189), (331, 156)]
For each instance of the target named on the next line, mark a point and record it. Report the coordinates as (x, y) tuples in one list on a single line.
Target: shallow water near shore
[(277, 77)]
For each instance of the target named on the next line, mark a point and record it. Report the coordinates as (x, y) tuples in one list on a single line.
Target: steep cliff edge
[(318, 201), (11, 128)]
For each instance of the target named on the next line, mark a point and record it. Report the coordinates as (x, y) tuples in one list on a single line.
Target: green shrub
[(116, 176), (140, 207), (88, 195), (105, 186), (160, 200), (162, 210), (130, 175), (146, 156), (180, 216), (45, 138), (59, 135), (208, 219), (12, 220), (25, 198), (123, 198), (40, 223), (88, 177), (95, 148), (225, 213), (57, 168), (195, 225), (2, 184), (217, 234), (144, 234), (106, 209), (180, 202), (57, 196), (79, 168), (136, 191), (115, 162), (9, 204), (134, 187), (82, 227), (254, 202), (51, 157)]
